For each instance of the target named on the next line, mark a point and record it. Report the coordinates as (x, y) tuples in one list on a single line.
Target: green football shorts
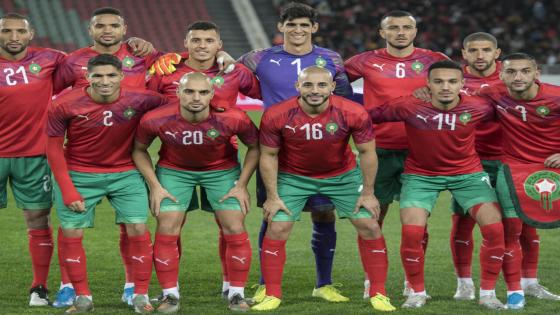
[(30, 181), (388, 180), (468, 190), (504, 196), (491, 167), (181, 184), (126, 191), (343, 190)]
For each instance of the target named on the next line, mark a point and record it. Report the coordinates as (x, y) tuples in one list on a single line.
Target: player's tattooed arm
[(368, 165), (140, 47), (553, 161), (239, 191), (143, 162), (268, 165)]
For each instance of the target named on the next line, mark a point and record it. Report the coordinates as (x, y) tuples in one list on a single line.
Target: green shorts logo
[(213, 133), (543, 186), (543, 111), (417, 66), (129, 112), (218, 81), (465, 118), (331, 128), (320, 62), (34, 68), (128, 62)]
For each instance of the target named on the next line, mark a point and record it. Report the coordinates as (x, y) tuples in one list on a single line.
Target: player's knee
[(37, 219), (233, 227), (278, 230), (486, 213), (136, 229), (327, 216)]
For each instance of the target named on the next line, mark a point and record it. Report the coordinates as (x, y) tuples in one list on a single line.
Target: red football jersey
[(439, 142), (488, 134), (315, 147), (241, 79), (26, 89), (531, 129), (204, 146), (72, 71), (100, 136), (387, 77)]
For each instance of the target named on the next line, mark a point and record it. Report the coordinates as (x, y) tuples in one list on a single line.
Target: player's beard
[(12, 51), (314, 104), (401, 46), (486, 66), (112, 43)]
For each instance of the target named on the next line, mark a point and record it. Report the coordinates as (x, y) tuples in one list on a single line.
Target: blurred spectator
[(351, 26)]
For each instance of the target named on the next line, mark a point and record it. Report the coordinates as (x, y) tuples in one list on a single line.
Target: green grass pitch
[(200, 278)]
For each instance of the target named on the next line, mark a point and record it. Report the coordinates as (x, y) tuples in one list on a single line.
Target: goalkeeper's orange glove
[(164, 65)]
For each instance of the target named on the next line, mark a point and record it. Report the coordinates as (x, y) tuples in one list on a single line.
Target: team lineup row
[(301, 148)]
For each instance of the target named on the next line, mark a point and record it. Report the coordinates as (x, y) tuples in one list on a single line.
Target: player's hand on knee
[(156, 197), (423, 93), (140, 47), (226, 63), (370, 203), (553, 161), (242, 195), (78, 206), (272, 206)]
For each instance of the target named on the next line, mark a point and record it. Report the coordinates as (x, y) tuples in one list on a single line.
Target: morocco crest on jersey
[(535, 192)]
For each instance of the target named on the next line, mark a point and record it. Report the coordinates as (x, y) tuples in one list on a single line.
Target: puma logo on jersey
[(164, 262), (498, 257), (83, 116), (77, 260), (417, 259), (140, 259), (241, 259), (291, 128), (463, 242), (465, 91), (425, 119), (501, 108), (380, 67), (173, 134), (274, 253), (484, 85), (276, 61), (382, 251)]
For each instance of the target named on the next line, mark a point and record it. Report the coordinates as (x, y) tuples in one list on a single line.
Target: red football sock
[(273, 259), (462, 244), (64, 277), (373, 254), (74, 257), (124, 248), (412, 255), (222, 251), (41, 250), (491, 254), (166, 260), (425, 239), (238, 253), (141, 255), (512, 254), (530, 245)]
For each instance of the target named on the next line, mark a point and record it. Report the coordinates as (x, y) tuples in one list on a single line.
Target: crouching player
[(305, 152), (196, 150), (99, 122)]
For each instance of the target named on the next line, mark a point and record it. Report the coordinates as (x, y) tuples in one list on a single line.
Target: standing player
[(523, 106), (278, 68), (203, 42), (447, 125), (305, 151), (196, 150), (26, 89), (99, 123), (390, 72), (480, 51)]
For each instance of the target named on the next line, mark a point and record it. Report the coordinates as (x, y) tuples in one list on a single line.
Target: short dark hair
[(445, 64), (519, 56), (295, 10), (203, 26), (480, 36), (106, 10), (396, 14), (14, 16), (104, 60)]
